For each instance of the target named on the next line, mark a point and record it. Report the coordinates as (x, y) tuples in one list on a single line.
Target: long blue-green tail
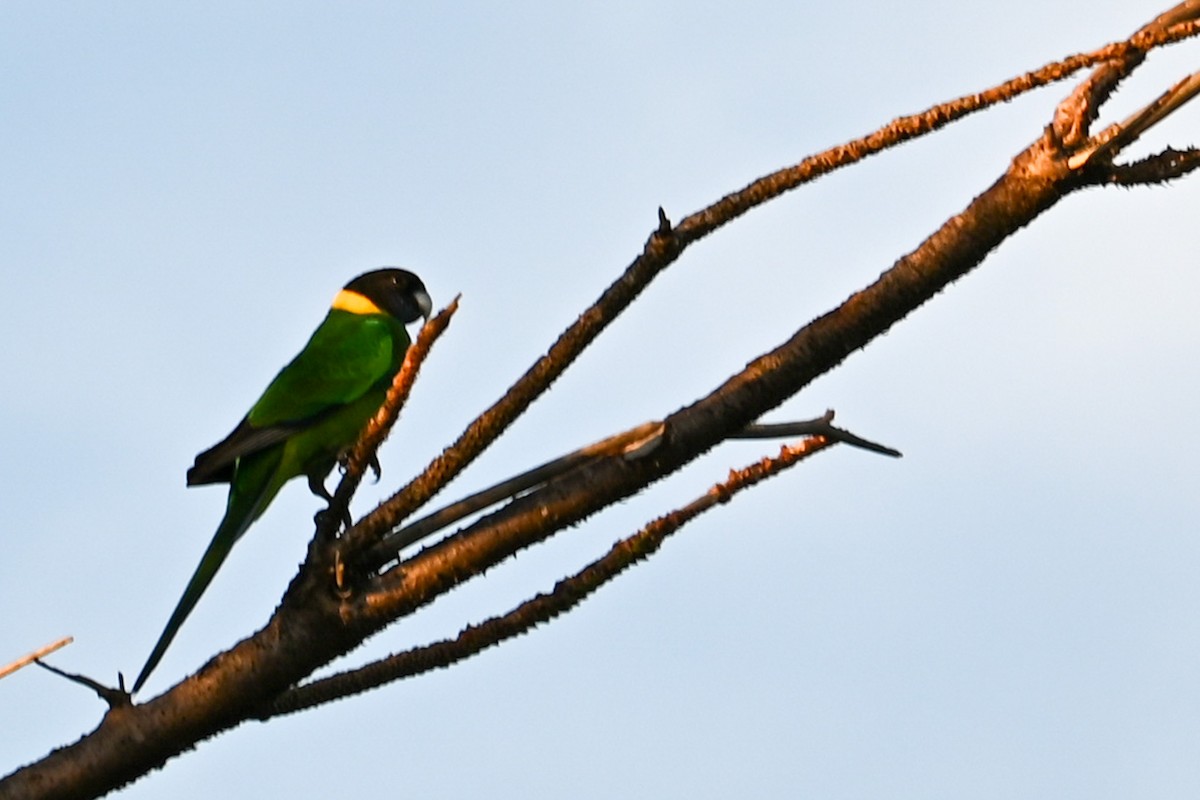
[(214, 556), (254, 486)]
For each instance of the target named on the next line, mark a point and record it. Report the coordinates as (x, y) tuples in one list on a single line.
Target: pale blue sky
[(1009, 611)]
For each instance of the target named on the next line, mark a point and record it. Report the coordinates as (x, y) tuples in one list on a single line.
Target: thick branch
[(628, 444), (667, 243), (314, 626), (568, 593), (1037, 179)]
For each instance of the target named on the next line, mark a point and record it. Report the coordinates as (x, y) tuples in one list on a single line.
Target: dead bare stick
[(115, 696), (26, 660)]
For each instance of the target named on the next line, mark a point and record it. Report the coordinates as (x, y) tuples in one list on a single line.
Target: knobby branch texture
[(315, 624), (668, 244), (567, 593)]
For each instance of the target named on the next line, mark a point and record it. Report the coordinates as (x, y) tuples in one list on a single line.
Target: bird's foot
[(316, 485), (321, 516), (343, 461)]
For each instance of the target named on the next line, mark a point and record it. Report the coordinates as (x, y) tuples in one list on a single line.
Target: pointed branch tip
[(664, 224), (1156, 169)]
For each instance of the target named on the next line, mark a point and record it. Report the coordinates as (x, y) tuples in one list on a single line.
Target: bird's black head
[(397, 292)]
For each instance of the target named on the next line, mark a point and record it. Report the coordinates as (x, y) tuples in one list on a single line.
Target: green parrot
[(309, 415)]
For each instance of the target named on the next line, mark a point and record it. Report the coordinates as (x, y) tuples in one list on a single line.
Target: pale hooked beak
[(424, 303)]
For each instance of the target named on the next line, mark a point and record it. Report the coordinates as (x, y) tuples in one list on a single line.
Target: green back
[(347, 355)]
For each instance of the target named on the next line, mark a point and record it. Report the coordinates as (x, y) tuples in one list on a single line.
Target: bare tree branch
[(1116, 137), (1159, 168), (318, 621), (507, 489), (41, 652), (629, 444), (1037, 179), (666, 244), (821, 426), (567, 593), (113, 695)]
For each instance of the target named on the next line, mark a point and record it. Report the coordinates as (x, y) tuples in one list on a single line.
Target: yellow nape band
[(355, 303)]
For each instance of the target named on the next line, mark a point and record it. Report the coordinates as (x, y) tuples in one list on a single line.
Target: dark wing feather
[(215, 465), (345, 357)]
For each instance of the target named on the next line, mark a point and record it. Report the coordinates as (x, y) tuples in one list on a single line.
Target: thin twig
[(1158, 168), (515, 485), (821, 426), (567, 594), (41, 652), (912, 126), (115, 696)]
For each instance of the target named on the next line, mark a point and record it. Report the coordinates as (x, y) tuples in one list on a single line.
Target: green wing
[(313, 408), (346, 356)]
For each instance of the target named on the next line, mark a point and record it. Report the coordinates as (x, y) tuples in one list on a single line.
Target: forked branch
[(633, 443), (567, 593), (1038, 178), (666, 243), (315, 624)]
